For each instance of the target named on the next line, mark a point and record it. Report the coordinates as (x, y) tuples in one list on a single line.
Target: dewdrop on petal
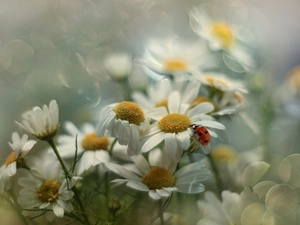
[(42, 123)]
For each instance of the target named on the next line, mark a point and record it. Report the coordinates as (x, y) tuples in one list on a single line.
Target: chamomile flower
[(159, 179), (173, 126), (175, 57), (157, 94), (125, 121), (118, 65), (228, 94), (221, 35), (42, 123), (20, 146), (46, 188), (94, 150)]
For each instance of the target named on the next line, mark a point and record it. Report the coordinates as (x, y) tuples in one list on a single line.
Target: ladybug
[(201, 134)]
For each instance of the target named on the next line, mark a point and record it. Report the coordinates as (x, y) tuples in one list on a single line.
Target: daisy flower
[(173, 126), (221, 35), (227, 93), (125, 121), (158, 178), (20, 146), (94, 149), (46, 188), (118, 65), (174, 57), (42, 123), (157, 94)]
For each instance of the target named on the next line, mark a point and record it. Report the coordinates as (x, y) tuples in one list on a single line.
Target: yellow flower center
[(239, 97), (175, 65), (129, 111), (174, 123), (12, 158), (293, 78), (162, 103), (213, 80), (223, 32), (223, 153), (48, 191), (157, 178), (92, 142)]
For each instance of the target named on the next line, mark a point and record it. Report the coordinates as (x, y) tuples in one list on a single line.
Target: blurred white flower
[(42, 123), (175, 57), (20, 146), (221, 35), (45, 188), (157, 94), (94, 149), (158, 178), (173, 126), (118, 65), (125, 121), (227, 92), (230, 210)]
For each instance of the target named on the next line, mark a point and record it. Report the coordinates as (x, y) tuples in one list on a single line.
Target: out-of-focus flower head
[(217, 29), (42, 123), (226, 93), (157, 93), (233, 209), (157, 176), (175, 57), (20, 146), (118, 65)]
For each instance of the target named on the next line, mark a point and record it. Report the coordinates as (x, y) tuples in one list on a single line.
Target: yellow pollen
[(223, 153), (175, 65), (92, 142), (201, 99), (48, 191), (162, 103), (238, 97), (213, 80), (174, 123), (12, 158), (157, 178), (130, 111), (293, 78), (223, 32)]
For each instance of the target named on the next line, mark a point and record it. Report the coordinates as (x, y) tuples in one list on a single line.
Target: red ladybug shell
[(202, 135)]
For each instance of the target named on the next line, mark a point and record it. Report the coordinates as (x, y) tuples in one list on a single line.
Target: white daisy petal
[(191, 188), (153, 141), (137, 185), (153, 194), (174, 102), (212, 124), (58, 210)]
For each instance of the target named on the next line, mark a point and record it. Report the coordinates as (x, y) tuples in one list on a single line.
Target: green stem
[(160, 212), (76, 195), (52, 144), (68, 176), (219, 181), (112, 146)]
